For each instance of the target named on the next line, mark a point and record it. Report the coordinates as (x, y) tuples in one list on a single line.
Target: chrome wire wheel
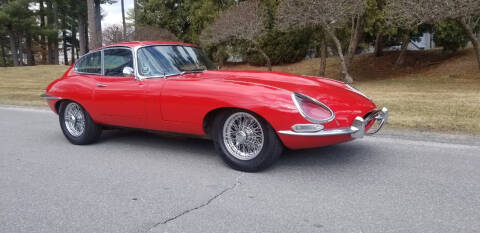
[(243, 136), (74, 118)]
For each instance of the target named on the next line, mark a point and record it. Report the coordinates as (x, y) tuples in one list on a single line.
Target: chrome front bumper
[(357, 130)]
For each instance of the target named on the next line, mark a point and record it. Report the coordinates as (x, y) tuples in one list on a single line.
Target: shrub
[(282, 47), (450, 36)]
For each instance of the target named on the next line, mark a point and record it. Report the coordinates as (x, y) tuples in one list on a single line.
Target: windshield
[(156, 61)]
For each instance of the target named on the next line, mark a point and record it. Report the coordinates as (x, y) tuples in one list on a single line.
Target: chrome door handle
[(101, 85)]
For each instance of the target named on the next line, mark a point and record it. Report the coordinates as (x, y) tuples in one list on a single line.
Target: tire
[(251, 149), (79, 129)]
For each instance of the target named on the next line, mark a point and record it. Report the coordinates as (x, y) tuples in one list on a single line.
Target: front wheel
[(245, 141), (77, 125)]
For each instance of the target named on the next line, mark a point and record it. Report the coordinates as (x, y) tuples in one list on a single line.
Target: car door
[(119, 99)]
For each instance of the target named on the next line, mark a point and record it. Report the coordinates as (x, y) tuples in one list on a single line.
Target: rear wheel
[(245, 141), (77, 125)]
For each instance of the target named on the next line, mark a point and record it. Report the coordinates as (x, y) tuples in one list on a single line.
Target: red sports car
[(169, 86)]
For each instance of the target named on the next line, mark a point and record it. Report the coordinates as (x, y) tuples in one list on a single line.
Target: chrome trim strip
[(47, 97), (322, 105), (357, 130), (331, 132)]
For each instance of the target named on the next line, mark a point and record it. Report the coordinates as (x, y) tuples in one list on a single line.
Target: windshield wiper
[(193, 71)]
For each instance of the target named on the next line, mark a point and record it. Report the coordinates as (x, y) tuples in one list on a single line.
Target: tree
[(115, 33), (169, 14), (467, 14), (94, 24), (184, 18), (330, 15), (376, 28), (471, 26), (16, 20), (449, 35), (244, 21), (153, 33), (82, 28), (408, 15)]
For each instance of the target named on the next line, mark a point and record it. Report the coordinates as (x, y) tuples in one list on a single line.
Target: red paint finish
[(181, 103)]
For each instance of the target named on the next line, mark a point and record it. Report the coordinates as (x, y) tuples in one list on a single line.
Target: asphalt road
[(143, 182)]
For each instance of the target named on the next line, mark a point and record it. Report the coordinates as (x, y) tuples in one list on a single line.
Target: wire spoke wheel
[(74, 118), (243, 136)]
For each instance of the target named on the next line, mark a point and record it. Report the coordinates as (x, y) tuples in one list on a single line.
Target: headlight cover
[(356, 90), (312, 109)]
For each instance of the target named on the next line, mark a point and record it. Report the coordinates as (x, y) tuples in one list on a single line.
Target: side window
[(91, 63), (114, 60)]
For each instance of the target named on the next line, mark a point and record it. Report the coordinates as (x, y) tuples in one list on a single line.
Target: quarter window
[(114, 60), (91, 64)]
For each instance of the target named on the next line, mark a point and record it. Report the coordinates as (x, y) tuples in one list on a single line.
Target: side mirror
[(128, 71)]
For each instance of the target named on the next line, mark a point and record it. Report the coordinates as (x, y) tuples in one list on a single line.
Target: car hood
[(322, 89)]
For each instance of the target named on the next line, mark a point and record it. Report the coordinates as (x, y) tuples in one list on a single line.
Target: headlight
[(356, 91), (312, 109)]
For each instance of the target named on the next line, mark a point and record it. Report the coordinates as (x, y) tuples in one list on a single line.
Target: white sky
[(113, 13)]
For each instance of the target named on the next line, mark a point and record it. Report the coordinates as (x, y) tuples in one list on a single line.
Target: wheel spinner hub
[(243, 136)]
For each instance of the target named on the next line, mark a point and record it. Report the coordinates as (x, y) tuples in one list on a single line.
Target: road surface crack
[(237, 182)]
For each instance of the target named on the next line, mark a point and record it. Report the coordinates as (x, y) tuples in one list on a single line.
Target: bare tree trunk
[(123, 21), (323, 56), (354, 40), (4, 55), (474, 39), (52, 39), (65, 48), (379, 45), (403, 52), (343, 64), (28, 45), (43, 38), (82, 34), (91, 24), (55, 42), (13, 48), (74, 44), (55, 52), (93, 18), (135, 15), (20, 49), (98, 22), (267, 59)]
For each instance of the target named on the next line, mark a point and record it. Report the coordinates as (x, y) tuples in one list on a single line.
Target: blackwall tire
[(77, 125), (245, 141)]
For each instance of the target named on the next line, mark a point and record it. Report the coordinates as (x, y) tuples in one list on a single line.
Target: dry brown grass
[(24, 85), (432, 92)]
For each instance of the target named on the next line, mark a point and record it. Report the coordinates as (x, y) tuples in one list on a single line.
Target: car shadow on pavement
[(158, 140), (341, 155)]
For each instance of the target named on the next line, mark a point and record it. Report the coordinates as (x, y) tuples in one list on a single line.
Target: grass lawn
[(24, 85), (433, 92)]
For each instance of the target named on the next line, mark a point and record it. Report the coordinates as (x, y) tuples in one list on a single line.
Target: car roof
[(132, 44)]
